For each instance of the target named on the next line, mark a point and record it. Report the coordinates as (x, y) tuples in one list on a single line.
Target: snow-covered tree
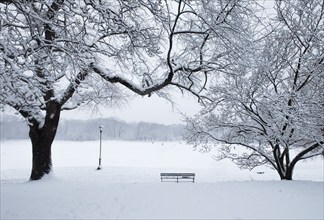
[(61, 54), (268, 108)]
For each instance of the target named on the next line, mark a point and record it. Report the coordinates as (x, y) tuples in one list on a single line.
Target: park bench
[(176, 177)]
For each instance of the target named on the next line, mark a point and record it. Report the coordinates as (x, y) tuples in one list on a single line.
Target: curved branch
[(130, 85), (68, 93), (301, 155)]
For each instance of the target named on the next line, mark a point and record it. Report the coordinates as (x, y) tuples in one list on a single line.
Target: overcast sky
[(148, 109)]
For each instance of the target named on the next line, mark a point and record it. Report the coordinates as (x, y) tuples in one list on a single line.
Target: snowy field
[(129, 187)]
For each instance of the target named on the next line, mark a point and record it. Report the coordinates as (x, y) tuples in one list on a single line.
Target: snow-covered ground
[(129, 187)]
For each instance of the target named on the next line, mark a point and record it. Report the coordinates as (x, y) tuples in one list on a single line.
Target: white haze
[(147, 109)]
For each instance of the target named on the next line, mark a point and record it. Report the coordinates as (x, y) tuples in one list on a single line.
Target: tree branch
[(304, 152), (139, 90), (68, 93), (242, 144)]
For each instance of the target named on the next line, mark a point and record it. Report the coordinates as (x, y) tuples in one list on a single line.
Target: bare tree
[(58, 55), (269, 107)]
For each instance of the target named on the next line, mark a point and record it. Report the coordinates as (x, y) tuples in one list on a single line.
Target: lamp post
[(100, 129)]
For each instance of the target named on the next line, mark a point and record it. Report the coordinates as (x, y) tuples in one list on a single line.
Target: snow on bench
[(176, 177)]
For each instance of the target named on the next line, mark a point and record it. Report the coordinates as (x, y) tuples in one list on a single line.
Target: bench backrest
[(177, 174)]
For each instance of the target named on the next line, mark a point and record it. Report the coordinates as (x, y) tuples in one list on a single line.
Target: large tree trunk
[(282, 161), (286, 175), (42, 138), (42, 159), (289, 173)]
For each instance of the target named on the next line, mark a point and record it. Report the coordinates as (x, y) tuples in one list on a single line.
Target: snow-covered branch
[(130, 85)]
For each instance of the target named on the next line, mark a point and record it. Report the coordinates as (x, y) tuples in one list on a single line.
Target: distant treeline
[(82, 130)]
